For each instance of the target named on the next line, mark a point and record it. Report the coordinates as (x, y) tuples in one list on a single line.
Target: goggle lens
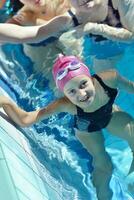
[(74, 65)]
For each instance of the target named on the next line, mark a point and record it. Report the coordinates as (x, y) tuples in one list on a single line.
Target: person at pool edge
[(88, 98)]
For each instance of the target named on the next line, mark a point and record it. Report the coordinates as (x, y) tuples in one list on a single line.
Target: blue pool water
[(52, 141)]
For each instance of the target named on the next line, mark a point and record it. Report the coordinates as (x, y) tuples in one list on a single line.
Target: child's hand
[(90, 28), (25, 18), (77, 33), (20, 18)]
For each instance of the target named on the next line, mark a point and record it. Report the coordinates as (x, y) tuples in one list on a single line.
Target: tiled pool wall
[(19, 177)]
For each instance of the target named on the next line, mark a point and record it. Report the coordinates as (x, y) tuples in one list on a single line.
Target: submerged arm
[(125, 84), (109, 32), (23, 118), (113, 79)]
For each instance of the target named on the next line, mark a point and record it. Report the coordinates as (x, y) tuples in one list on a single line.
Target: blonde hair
[(45, 12), (58, 6)]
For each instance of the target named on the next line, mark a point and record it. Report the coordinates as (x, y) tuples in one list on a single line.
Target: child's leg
[(122, 125), (94, 143)]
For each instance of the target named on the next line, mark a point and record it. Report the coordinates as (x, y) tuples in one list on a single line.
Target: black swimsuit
[(113, 17), (74, 18), (99, 119)]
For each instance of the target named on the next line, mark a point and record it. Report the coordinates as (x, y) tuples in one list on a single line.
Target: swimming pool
[(62, 161)]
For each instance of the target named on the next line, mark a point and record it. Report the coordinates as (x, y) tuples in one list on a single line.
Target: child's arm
[(56, 25), (109, 32), (17, 34), (113, 79), (23, 118), (125, 84)]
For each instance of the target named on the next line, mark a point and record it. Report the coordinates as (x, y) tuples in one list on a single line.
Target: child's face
[(80, 91), (35, 3), (83, 5)]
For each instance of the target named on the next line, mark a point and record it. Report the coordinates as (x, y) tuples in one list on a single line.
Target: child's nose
[(82, 94)]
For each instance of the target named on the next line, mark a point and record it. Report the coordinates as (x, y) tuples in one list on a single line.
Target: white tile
[(42, 186), (22, 196), (23, 185), (13, 145), (10, 129), (7, 188), (1, 152), (20, 167)]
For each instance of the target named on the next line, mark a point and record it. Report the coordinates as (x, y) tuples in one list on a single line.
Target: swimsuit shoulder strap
[(74, 18), (110, 3), (98, 78), (113, 17), (112, 92)]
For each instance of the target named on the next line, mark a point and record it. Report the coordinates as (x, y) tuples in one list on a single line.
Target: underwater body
[(63, 162)]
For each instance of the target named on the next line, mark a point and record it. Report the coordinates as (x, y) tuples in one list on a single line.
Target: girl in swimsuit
[(121, 10), (115, 24), (91, 100)]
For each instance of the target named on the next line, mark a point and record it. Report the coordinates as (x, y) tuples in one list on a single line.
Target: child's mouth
[(85, 99)]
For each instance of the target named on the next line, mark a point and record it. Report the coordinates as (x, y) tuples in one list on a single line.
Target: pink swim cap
[(67, 67)]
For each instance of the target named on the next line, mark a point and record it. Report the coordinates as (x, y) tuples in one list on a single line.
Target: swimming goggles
[(74, 65)]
